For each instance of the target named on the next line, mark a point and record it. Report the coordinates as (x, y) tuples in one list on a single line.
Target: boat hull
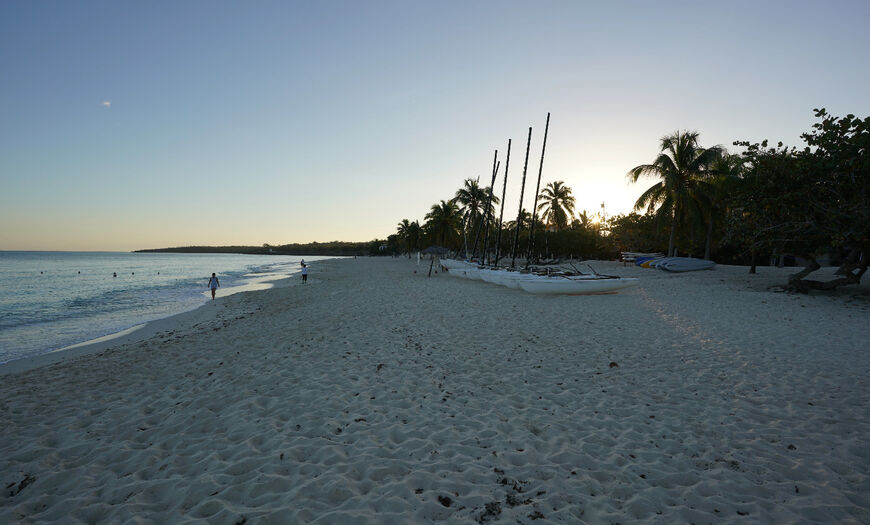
[(568, 286), (684, 264)]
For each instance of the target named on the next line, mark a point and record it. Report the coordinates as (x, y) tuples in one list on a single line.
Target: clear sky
[(127, 125)]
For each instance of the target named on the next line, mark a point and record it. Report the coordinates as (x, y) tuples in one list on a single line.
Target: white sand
[(376, 395)]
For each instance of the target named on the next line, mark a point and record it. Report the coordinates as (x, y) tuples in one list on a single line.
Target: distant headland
[(336, 248)]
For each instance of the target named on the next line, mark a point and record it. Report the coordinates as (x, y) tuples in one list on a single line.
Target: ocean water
[(51, 300)]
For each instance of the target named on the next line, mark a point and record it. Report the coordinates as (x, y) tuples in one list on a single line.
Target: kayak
[(651, 263), (684, 264)]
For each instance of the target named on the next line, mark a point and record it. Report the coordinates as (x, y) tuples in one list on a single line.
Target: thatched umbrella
[(435, 250)]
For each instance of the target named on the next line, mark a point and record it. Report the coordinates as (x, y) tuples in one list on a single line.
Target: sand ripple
[(376, 395)]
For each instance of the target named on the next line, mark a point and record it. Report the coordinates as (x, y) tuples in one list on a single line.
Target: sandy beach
[(374, 394)]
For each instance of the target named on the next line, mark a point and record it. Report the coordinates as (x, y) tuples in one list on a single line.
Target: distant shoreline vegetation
[(335, 248)]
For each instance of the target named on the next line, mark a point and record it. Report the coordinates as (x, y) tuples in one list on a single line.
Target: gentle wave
[(51, 300)]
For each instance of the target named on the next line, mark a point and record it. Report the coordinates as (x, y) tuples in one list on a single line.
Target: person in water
[(214, 284)]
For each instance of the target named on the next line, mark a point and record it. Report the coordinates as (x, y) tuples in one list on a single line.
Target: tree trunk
[(752, 261), (673, 238), (709, 243), (851, 272)]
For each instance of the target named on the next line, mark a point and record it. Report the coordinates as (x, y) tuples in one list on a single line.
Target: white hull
[(575, 286), (472, 273), (453, 264), (537, 284), (457, 268), (512, 279), (490, 276)]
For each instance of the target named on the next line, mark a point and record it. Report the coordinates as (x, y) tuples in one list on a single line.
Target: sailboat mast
[(537, 189), (480, 222), (520, 212), (501, 213), (488, 214)]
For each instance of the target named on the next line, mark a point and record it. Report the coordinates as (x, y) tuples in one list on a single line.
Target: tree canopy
[(443, 222), (680, 166), (809, 201), (557, 204)]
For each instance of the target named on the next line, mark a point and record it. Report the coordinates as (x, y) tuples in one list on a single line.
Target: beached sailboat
[(576, 285), (542, 281)]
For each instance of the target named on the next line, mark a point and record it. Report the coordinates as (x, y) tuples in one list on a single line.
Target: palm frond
[(643, 170), (652, 197)]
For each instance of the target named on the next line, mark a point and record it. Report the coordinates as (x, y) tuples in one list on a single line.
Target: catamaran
[(544, 281)]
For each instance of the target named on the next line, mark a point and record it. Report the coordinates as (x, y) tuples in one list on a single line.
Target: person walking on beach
[(304, 273), (214, 284)]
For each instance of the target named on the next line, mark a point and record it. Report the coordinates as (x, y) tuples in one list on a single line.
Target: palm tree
[(413, 235), (402, 230), (443, 221), (409, 232), (557, 204), (679, 167), (583, 221), (473, 199), (525, 221), (711, 193)]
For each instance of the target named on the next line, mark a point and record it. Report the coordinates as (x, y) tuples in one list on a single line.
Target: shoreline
[(769, 275), (376, 393), (137, 333)]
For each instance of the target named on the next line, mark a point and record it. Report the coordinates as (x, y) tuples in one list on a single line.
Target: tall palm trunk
[(709, 243), (673, 237)]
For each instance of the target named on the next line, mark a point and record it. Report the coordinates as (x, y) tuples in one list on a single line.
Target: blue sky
[(246, 123)]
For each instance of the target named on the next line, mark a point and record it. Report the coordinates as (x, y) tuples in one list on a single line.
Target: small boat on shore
[(546, 281), (682, 264), (457, 268), (576, 285), (511, 279), (649, 262)]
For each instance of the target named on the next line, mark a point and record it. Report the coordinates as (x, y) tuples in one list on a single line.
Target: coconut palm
[(402, 230), (679, 166), (414, 233), (557, 204), (525, 221), (472, 199), (409, 232), (443, 221), (711, 193)]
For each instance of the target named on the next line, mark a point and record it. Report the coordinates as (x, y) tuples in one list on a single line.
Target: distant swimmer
[(214, 284), (114, 274), (304, 273)]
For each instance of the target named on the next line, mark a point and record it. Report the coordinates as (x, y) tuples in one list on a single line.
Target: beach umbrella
[(435, 250)]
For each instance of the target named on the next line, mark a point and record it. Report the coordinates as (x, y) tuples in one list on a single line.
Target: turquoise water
[(50, 300)]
